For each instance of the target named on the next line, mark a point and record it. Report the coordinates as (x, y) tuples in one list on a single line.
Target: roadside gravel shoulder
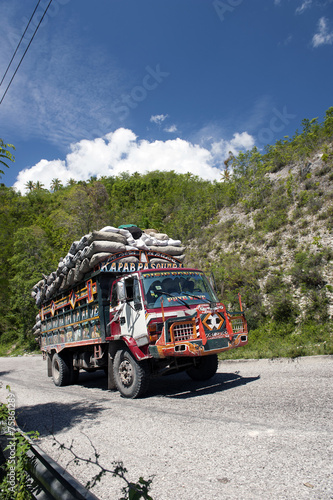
[(258, 429)]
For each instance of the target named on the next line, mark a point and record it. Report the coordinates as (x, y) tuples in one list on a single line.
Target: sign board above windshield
[(137, 260)]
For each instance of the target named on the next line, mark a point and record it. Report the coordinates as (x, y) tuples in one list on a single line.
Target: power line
[(26, 50), (4, 76)]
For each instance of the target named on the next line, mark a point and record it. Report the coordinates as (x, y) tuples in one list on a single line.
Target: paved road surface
[(259, 429)]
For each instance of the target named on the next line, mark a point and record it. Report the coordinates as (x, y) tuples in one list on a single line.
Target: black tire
[(61, 370), (204, 368), (131, 378)]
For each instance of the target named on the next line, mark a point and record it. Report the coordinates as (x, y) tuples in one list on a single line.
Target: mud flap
[(111, 382)]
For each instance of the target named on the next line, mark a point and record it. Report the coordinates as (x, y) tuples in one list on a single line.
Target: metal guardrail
[(52, 481)]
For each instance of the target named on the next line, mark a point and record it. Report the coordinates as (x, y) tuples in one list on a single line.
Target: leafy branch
[(5, 154), (16, 482), (132, 491)]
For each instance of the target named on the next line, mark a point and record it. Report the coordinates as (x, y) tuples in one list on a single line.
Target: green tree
[(32, 255), (30, 186), (56, 184), (39, 185), (71, 182)]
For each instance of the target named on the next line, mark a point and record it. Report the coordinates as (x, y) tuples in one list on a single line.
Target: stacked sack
[(96, 247)]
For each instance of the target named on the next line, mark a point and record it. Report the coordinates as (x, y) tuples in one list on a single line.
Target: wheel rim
[(56, 370), (126, 373)]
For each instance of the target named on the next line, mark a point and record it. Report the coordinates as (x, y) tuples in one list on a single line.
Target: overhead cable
[(18, 45), (26, 50)]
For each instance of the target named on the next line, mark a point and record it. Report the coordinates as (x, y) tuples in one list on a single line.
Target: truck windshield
[(176, 288)]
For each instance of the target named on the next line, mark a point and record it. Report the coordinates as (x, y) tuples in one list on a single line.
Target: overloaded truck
[(136, 313)]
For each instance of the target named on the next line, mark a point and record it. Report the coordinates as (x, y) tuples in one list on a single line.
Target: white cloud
[(158, 118), (172, 129), (305, 5), (241, 141), (121, 151), (323, 36)]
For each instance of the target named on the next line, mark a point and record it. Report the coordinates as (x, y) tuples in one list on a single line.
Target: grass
[(18, 349), (285, 341)]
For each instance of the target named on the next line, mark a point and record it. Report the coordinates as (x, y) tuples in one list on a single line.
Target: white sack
[(110, 229), (170, 250)]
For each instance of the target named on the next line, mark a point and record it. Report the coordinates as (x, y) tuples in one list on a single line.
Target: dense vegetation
[(265, 231)]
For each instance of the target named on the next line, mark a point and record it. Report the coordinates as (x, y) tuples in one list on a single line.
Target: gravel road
[(260, 429)]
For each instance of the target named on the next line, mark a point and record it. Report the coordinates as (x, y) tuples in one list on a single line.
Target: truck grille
[(182, 331), (237, 325)]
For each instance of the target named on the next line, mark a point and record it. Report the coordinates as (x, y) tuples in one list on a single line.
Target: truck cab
[(169, 321)]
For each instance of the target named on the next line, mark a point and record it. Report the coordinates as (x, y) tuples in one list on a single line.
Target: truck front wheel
[(131, 377), (204, 368), (61, 370)]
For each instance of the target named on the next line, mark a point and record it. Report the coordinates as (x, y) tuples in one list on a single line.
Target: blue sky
[(112, 86)]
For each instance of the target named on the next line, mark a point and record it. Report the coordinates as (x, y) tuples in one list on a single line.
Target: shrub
[(8, 337), (306, 270), (283, 308)]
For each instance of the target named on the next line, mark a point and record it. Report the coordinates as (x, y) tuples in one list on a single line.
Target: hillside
[(275, 246), (285, 275), (265, 231)]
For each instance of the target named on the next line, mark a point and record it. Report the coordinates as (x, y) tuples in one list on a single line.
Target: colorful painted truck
[(136, 320)]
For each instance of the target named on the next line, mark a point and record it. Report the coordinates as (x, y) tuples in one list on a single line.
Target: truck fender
[(131, 344)]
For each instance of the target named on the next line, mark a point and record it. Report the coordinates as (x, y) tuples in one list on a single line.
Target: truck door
[(132, 316), (115, 309)]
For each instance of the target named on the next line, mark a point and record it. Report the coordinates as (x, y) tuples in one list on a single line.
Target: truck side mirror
[(121, 291), (137, 296)]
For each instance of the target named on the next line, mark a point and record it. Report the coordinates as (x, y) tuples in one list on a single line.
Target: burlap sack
[(105, 247), (73, 249), (161, 236), (107, 236), (97, 258), (84, 266), (83, 242), (170, 250), (77, 257), (68, 261), (51, 278), (78, 276)]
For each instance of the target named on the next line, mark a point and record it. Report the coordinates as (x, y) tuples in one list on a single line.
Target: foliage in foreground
[(131, 490), (15, 481)]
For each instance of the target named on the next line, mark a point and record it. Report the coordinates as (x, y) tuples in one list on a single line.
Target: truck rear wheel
[(61, 370), (205, 368), (131, 377)]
